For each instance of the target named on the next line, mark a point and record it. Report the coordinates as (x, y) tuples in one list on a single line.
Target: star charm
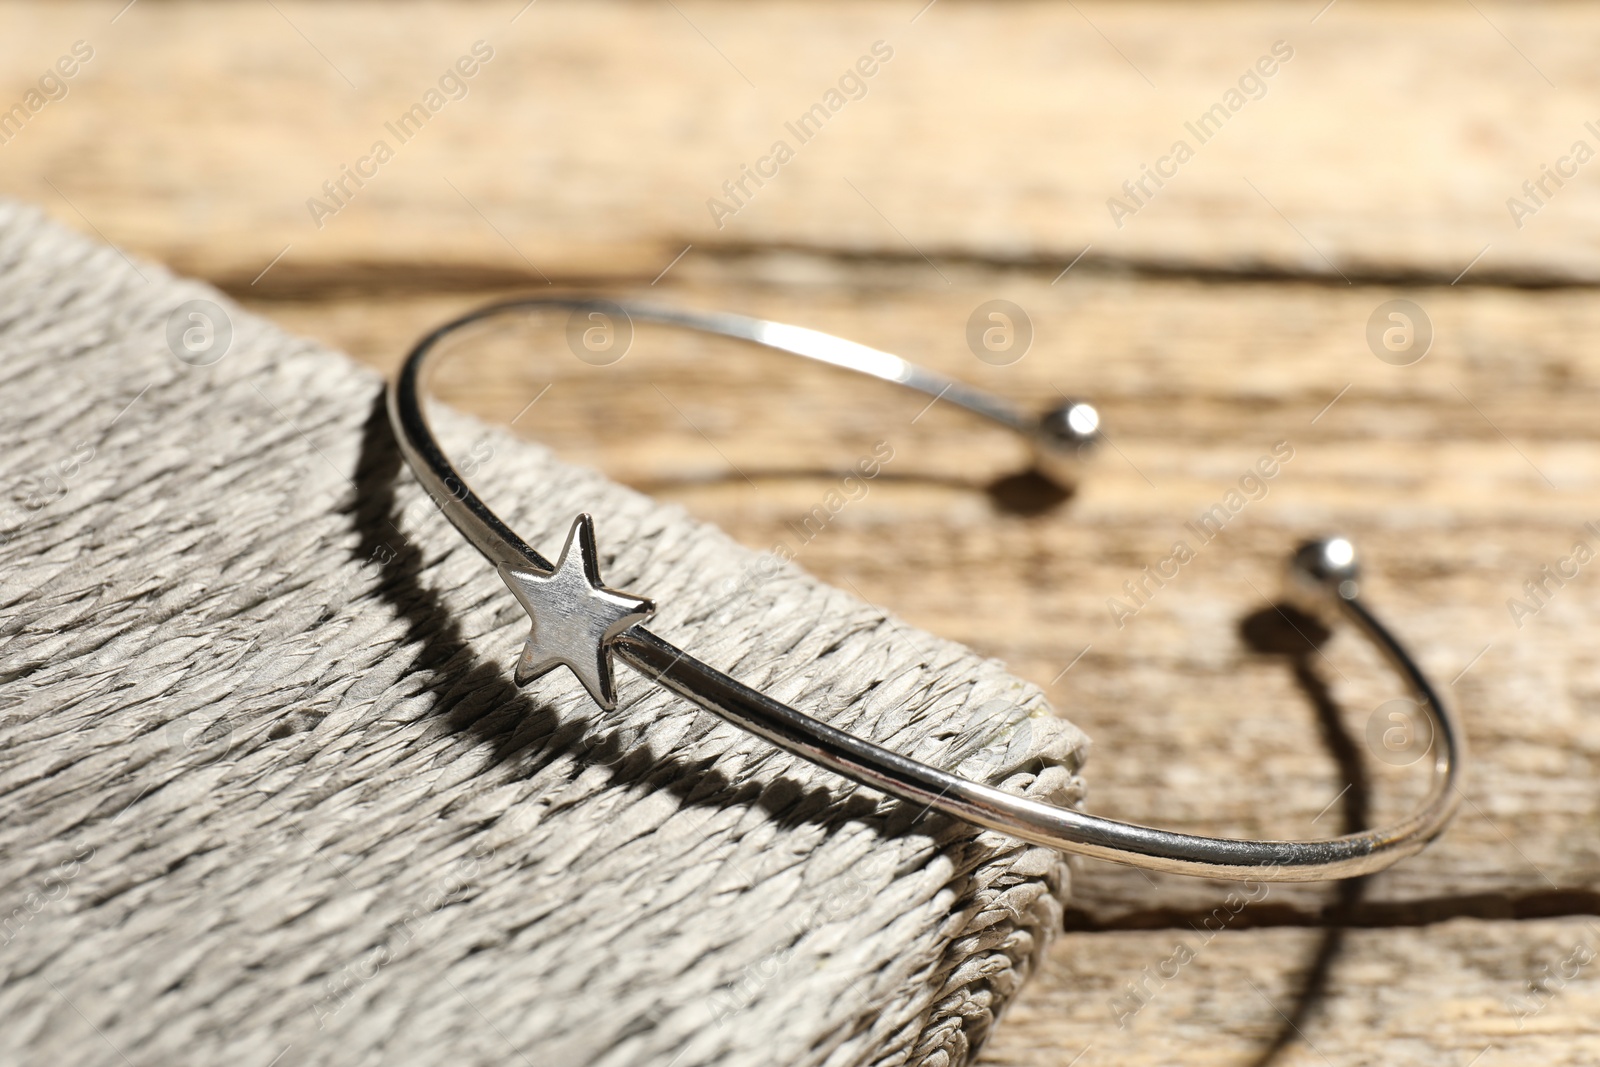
[(575, 618)]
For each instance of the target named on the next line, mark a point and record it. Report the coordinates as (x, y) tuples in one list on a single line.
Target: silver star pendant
[(575, 618)]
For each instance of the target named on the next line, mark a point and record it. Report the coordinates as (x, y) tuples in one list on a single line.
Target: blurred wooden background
[(1228, 313)]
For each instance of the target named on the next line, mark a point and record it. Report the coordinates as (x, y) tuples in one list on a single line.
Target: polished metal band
[(569, 607)]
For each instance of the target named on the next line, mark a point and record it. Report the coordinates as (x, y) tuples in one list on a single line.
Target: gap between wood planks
[(1542, 904), (289, 281)]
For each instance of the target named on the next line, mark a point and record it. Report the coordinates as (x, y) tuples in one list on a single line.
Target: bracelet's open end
[(1066, 437), (1323, 572)]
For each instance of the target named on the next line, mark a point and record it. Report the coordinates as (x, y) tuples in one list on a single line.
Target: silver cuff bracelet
[(580, 624)]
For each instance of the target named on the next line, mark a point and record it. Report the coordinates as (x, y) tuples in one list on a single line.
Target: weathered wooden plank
[(1462, 992), (1193, 729), (592, 142)]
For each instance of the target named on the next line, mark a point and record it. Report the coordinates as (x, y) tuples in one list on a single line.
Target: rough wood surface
[(268, 785), (1214, 323), (1457, 993), (1379, 149)]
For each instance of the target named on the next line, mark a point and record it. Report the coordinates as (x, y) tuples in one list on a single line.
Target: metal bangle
[(579, 624)]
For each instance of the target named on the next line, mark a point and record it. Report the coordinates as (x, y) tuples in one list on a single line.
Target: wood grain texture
[(1462, 992), (1376, 150)]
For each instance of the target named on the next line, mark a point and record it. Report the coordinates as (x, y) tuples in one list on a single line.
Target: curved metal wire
[(879, 768)]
